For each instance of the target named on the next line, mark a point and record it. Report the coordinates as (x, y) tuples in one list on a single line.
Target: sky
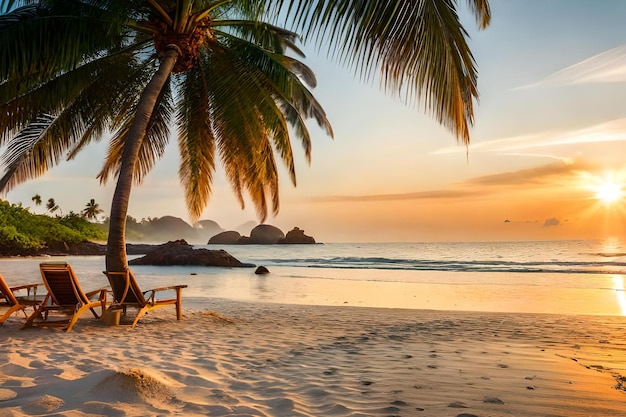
[(549, 132)]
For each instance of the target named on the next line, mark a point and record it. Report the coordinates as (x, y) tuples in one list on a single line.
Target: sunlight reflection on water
[(619, 292), (437, 290)]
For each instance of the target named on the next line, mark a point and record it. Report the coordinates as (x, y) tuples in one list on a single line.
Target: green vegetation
[(135, 230), (22, 232)]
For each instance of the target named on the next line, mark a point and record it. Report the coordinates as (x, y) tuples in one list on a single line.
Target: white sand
[(289, 360)]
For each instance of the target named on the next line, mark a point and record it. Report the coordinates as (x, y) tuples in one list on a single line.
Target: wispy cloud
[(420, 195), (475, 187), (530, 176), (611, 131), (606, 67)]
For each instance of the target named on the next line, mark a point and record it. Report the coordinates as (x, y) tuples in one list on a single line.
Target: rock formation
[(265, 234), (225, 238), (179, 252), (296, 236), (261, 270)]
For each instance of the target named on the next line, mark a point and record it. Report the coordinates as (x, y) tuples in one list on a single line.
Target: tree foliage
[(92, 210), (22, 232), (52, 206)]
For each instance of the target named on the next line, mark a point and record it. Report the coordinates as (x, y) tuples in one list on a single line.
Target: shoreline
[(558, 293), (268, 359)]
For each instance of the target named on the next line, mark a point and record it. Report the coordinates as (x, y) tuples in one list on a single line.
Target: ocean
[(555, 277)]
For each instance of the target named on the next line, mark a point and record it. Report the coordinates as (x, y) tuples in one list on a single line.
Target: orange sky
[(550, 124)]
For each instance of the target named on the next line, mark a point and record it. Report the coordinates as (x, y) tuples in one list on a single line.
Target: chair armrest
[(150, 294), (26, 287), (173, 287), (102, 291)]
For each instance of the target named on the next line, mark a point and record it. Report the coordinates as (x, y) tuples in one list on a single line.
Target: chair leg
[(12, 310), (80, 311), (103, 307), (31, 318), (73, 321), (76, 315), (179, 304), (140, 313)]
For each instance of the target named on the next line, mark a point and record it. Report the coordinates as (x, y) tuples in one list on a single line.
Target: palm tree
[(36, 199), (92, 210), (72, 70), (52, 206)]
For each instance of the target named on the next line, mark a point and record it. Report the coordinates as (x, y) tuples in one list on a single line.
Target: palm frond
[(83, 106), (196, 142), (283, 76), (16, 15), (239, 110), (482, 12), (264, 76), (63, 92), (24, 158), (153, 145), (254, 96), (270, 37), (418, 47), (101, 104), (54, 36)]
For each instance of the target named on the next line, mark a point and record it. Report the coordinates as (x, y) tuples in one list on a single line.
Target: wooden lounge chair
[(126, 293), (65, 298), (11, 303)]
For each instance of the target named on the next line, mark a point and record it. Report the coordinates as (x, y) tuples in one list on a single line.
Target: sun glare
[(609, 192), (608, 189)]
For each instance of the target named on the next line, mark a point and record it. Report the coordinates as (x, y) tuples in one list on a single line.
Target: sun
[(608, 192), (607, 189)]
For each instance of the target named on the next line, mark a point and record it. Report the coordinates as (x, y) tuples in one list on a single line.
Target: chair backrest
[(125, 288), (62, 285), (6, 295)]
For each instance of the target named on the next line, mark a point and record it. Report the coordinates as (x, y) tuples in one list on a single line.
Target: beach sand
[(255, 359)]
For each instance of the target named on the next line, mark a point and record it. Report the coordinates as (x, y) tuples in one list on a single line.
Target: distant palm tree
[(91, 210), (72, 70), (52, 205), (37, 200)]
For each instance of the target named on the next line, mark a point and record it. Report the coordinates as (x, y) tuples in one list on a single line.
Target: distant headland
[(169, 228), (23, 233)]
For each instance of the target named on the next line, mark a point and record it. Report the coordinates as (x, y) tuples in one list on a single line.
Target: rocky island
[(263, 234), (179, 252)]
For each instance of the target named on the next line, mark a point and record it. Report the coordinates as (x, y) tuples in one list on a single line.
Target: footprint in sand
[(493, 400), (7, 394), (458, 404)]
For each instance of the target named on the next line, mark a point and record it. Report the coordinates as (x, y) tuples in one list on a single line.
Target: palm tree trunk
[(115, 258)]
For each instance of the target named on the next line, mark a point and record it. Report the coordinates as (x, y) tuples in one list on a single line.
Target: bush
[(24, 232), (86, 229), (12, 241)]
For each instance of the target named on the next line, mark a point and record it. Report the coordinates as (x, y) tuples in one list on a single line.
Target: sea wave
[(582, 267), (574, 257)]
